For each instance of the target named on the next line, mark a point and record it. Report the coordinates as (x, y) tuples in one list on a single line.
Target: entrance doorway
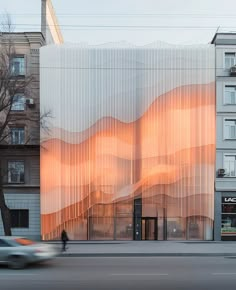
[(149, 228)]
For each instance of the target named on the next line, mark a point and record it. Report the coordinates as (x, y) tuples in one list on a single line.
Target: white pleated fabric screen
[(128, 123)]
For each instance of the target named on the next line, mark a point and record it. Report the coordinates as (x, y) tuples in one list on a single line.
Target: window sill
[(18, 144), (15, 183), (225, 177), (20, 228), (18, 76), (9, 185)]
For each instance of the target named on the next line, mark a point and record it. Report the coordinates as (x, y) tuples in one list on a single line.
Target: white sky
[(205, 15)]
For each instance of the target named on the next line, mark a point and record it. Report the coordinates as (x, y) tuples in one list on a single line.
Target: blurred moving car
[(18, 252)]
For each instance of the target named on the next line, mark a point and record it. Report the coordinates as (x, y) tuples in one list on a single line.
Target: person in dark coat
[(64, 239)]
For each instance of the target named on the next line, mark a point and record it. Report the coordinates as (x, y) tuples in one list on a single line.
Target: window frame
[(228, 52), (20, 56), (11, 137), (9, 173), (20, 221), (224, 129), (224, 156), (22, 96), (229, 85)]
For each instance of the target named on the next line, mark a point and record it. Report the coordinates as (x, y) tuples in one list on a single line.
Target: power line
[(132, 15), (122, 27)]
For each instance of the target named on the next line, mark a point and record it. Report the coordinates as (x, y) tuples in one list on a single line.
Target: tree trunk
[(5, 211)]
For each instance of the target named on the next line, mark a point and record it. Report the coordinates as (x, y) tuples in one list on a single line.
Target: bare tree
[(11, 85)]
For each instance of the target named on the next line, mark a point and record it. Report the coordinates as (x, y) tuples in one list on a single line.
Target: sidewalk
[(148, 248)]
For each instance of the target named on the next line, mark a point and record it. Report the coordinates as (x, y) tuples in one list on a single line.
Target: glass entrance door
[(149, 228)]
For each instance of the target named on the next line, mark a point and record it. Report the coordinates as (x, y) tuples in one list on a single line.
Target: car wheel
[(16, 262)]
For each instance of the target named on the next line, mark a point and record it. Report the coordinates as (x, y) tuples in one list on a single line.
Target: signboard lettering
[(229, 199)]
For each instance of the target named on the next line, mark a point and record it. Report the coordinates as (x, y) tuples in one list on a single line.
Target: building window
[(230, 95), (230, 59), (17, 136), (18, 103), (230, 164), (19, 218), (230, 128), (16, 171), (18, 66), (228, 218)]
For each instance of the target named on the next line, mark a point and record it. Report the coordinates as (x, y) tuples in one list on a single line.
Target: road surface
[(190, 273)]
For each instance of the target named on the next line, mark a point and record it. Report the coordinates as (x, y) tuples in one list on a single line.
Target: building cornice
[(23, 38), (217, 38)]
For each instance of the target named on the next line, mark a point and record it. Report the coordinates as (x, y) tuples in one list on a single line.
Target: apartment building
[(20, 151), (225, 181)]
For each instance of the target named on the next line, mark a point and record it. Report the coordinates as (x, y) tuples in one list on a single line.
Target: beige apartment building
[(20, 152)]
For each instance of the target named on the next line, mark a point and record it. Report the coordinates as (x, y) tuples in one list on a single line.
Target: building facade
[(20, 151), (225, 183), (130, 153), (141, 145)]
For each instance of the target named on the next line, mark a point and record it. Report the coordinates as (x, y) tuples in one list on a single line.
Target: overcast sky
[(172, 21)]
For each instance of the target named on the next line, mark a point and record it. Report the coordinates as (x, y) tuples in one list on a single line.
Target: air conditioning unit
[(29, 102), (221, 172), (233, 70)]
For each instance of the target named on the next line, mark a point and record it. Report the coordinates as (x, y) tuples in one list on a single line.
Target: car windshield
[(24, 242)]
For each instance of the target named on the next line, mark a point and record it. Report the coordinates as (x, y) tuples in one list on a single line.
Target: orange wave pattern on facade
[(105, 181)]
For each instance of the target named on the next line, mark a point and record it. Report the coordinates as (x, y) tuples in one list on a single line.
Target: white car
[(18, 252)]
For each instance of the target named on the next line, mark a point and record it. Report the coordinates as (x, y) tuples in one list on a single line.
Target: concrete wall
[(223, 111), (217, 217), (25, 201)]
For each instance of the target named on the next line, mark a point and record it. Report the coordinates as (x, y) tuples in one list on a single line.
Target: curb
[(122, 255)]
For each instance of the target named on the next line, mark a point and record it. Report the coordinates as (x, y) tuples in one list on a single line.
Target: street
[(125, 273)]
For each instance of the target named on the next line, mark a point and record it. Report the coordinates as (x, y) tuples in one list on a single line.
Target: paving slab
[(148, 248)]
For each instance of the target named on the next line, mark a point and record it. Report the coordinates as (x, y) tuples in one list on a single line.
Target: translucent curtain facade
[(127, 123)]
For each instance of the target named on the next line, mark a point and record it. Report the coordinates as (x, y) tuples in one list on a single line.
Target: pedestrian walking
[(64, 239)]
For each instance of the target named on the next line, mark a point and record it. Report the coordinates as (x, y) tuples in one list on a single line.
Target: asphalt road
[(144, 273)]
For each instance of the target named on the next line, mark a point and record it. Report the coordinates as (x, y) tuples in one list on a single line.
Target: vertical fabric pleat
[(127, 123)]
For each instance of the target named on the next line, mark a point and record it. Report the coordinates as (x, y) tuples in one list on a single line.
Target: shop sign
[(228, 199)]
